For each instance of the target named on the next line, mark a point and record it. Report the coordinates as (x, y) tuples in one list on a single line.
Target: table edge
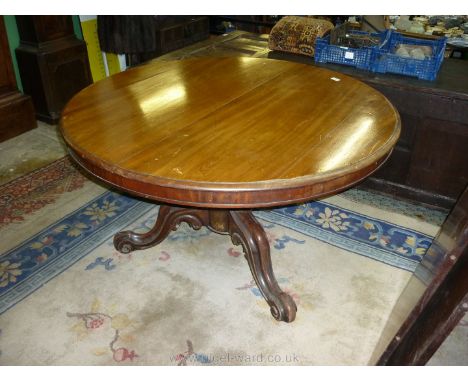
[(229, 197), (235, 194)]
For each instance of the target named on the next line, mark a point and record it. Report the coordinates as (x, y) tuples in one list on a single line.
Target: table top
[(230, 132)]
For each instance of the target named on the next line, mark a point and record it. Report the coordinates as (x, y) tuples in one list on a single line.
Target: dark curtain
[(127, 34), (135, 36)]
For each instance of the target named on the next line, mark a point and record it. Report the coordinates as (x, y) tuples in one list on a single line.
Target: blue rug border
[(21, 291), (25, 287), (370, 217), (404, 264)]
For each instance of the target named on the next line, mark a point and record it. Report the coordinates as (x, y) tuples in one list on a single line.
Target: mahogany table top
[(230, 132)]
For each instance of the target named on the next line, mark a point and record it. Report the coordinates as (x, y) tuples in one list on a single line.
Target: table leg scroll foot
[(244, 230), (169, 218), (247, 231)]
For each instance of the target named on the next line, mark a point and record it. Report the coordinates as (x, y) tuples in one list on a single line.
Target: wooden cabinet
[(16, 109), (53, 63), (181, 32), (254, 24), (430, 162)]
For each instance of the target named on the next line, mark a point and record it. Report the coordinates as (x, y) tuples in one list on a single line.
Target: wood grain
[(230, 132)]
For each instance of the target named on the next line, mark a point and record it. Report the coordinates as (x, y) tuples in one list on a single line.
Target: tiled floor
[(44, 144)]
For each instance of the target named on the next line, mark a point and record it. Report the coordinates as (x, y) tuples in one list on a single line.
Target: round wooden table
[(213, 138)]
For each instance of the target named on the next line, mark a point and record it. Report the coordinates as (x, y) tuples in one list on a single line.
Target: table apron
[(228, 198)]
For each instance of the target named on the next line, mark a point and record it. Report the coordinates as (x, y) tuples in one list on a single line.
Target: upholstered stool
[(296, 34)]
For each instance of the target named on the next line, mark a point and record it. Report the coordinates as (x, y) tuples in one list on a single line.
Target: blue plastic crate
[(357, 57), (384, 60)]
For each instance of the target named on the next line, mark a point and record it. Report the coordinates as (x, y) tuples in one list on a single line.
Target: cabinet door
[(440, 161), (37, 29), (16, 109), (7, 75)]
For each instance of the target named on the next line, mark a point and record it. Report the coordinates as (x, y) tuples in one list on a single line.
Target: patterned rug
[(30, 193), (68, 298)]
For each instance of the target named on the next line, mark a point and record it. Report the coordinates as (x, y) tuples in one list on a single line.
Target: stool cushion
[(296, 34)]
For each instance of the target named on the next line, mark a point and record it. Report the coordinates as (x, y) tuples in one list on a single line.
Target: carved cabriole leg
[(247, 231), (169, 218), (244, 230)]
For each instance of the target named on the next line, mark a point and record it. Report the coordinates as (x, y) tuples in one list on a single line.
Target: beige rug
[(68, 298)]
